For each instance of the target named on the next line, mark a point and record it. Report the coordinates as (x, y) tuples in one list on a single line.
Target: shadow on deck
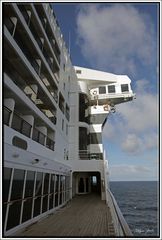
[(84, 216)]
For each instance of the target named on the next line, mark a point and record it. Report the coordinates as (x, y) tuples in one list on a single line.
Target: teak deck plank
[(84, 216)]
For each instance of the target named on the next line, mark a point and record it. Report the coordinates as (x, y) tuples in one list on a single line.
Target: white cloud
[(132, 143), (134, 125), (115, 36), (133, 172)]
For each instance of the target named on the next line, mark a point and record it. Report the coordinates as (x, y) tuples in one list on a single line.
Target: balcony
[(20, 125)]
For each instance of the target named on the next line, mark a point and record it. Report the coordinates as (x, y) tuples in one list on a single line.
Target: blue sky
[(121, 38)]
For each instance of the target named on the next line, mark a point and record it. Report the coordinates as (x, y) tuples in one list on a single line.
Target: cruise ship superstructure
[(53, 118)]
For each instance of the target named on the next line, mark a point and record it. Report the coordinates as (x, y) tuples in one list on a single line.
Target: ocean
[(138, 202)]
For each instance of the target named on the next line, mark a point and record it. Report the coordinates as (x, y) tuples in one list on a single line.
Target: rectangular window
[(124, 88), (62, 124), (78, 71), (111, 89), (97, 118), (66, 129), (17, 185), (102, 90), (95, 138)]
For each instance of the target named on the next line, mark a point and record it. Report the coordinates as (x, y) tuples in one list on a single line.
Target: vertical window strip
[(23, 194), (59, 189), (54, 190), (49, 184), (42, 194), (35, 177), (9, 197)]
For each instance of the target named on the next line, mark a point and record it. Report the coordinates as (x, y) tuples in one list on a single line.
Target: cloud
[(132, 143), (132, 172), (115, 36), (134, 125)]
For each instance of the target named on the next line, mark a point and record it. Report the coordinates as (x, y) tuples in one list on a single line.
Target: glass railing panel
[(38, 136), (9, 24), (24, 12), (6, 115), (26, 128), (16, 122), (50, 143), (21, 125), (41, 138)]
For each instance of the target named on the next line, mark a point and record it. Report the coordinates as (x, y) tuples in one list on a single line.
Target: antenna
[(69, 42)]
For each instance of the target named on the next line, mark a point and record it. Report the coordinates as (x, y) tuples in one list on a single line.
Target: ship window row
[(111, 89), (28, 194), (13, 119), (31, 53)]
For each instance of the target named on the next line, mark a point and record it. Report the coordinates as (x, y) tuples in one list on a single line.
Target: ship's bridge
[(105, 88)]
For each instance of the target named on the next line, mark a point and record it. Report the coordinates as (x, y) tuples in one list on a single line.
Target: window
[(83, 139), (66, 129), (62, 124), (16, 194), (111, 89), (78, 71), (95, 138), (20, 143), (97, 118), (28, 194), (102, 90), (124, 88)]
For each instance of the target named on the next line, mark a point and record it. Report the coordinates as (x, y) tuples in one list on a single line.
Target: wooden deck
[(84, 216)]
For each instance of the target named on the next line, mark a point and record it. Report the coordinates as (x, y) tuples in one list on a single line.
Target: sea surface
[(139, 204)]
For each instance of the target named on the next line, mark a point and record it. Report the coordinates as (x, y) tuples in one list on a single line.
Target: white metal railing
[(87, 155), (112, 95), (120, 225)]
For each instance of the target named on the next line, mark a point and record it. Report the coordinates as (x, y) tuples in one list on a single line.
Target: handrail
[(123, 224)]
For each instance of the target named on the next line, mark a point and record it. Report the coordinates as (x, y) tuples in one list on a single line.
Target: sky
[(121, 38)]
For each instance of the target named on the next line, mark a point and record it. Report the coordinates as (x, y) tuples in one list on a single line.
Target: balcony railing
[(120, 225), (38, 136), (87, 155), (50, 143), (20, 125), (6, 114)]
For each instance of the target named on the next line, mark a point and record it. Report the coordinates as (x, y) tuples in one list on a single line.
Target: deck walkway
[(84, 216)]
